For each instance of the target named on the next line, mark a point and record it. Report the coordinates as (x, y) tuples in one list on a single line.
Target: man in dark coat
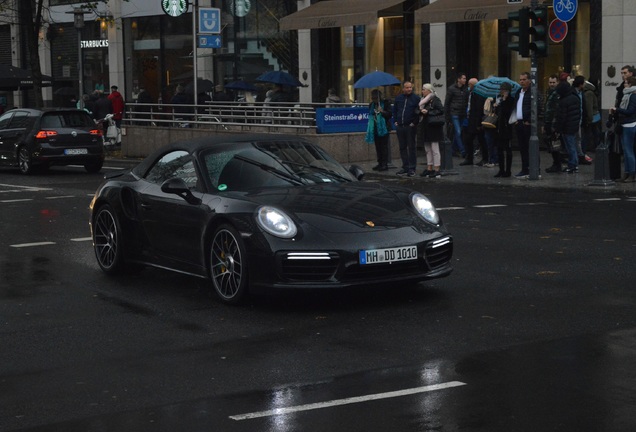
[(474, 129), (523, 110), (102, 107), (567, 122), (406, 117)]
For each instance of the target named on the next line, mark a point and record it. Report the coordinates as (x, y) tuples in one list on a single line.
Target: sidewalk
[(481, 175)]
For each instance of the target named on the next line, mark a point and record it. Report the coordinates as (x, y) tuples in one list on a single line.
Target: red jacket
[(118, 104)]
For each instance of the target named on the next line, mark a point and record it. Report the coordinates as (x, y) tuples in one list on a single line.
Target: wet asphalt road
[(534, 330)]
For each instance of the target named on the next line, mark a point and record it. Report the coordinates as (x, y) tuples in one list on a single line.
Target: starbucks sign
[(240, 8), (174, 8)]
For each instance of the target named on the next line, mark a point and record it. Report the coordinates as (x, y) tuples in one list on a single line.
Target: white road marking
[(32, 244), (490, 205), (59, 197), (16, 200), (81, 239), (532, 204), (20, 188), (451, 208), (607, 199), (347, 401)]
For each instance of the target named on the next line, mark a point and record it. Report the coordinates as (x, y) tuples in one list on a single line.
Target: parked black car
[(33, 138), (265, 211)]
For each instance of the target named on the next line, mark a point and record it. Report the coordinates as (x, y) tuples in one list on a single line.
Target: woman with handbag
[(504, 106), (430, 130), (378, 129)]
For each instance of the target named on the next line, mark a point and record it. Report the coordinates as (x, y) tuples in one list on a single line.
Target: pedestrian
[(504, 106), (455, 106), (523, 109), (378, 128), (626, 72), (406, 116), (102, 108), (87, 105), (474, 129), (578, 84), (118, 105), (332, 98), (591, 127), (627, 119), (430, 130), (567, 122), (551, 105)]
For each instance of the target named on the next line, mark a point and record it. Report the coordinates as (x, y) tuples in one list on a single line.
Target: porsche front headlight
[(425, 208), (275, 222)]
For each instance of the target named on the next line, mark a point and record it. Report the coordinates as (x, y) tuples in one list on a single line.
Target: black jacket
[(456, 101), (568, 113), (476, 112), (406, 109)]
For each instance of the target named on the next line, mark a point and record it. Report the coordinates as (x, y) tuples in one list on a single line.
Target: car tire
[(107, 241), (93, 167), (228, 265), (24, 161)]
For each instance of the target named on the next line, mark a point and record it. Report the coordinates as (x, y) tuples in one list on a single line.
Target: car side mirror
[(357, 171), (177, 186)]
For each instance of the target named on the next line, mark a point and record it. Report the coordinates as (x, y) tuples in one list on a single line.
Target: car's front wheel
[(228, 265), (107, 240)]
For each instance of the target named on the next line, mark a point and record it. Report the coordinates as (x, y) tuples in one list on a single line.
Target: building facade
[(326, 44)]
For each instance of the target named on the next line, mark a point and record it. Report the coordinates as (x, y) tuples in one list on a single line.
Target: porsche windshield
[(272, 164)]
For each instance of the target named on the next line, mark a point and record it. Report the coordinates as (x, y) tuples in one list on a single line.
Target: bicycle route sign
[(565, 9)]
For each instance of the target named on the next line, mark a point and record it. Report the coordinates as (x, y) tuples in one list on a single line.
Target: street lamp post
[(78, 14)]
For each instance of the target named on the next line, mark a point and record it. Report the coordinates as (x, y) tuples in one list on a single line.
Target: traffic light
[(539, 31), (522, 17)]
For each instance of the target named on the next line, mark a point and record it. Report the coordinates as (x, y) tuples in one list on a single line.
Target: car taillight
[(97, 132), (45, 134)]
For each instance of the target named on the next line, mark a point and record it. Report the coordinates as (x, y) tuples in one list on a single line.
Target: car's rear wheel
[(107, 240), (93, 167), (24, 161), (228, 265)]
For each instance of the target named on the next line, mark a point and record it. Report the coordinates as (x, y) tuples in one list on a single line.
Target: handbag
[(436, 119), (490, 121), (554, 142)]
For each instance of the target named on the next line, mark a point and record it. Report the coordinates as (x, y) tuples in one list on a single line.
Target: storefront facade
[(326, 44)]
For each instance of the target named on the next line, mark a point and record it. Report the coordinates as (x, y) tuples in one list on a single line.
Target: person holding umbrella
[(378, 129), (406, 116)]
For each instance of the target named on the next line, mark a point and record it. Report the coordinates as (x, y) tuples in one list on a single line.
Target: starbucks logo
[(240, 8), (174, 8)]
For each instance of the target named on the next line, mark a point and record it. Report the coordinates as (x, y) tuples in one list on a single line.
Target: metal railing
[(224, 115)]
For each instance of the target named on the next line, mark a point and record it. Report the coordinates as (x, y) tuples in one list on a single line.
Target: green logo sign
[(174, 8)]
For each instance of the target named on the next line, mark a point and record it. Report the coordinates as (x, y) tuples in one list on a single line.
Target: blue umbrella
[(279, 77), (489, 87), (376, 79), (240, 85)]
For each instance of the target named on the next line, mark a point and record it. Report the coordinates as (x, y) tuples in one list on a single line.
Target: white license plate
[(78, 151), (389, 255)]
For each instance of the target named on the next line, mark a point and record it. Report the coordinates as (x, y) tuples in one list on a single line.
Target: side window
[(4, 120), (19, 120), (177, 164)]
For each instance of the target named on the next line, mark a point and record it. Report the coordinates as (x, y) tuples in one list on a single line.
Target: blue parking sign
[(210, 20)]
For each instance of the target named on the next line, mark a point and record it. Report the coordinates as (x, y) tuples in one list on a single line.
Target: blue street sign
[(209, 41), (565, 9), (210, 20)]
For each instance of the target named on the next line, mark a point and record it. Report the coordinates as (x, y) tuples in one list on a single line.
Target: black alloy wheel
[(228, 265), (107, 240)]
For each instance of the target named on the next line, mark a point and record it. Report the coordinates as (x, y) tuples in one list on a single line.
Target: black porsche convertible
[(255, 212)]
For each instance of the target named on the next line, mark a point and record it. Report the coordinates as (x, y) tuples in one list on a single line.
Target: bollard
[(601, 167), (446, 153)]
